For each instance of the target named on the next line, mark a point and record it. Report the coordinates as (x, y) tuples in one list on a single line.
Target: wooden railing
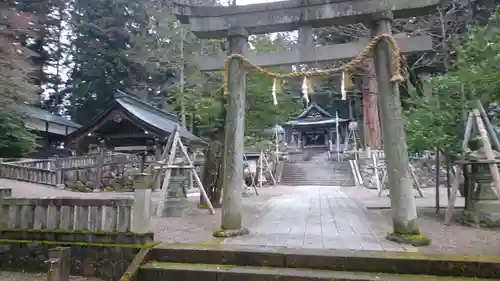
[(94, 215), (28, 174)]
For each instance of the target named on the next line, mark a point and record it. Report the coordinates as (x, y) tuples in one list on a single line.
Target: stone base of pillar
[(484, 211), (174, 207), (176, 202), (417, 240), (225, 233)]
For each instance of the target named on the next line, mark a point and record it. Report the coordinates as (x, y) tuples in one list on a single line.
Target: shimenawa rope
[(396, 61)]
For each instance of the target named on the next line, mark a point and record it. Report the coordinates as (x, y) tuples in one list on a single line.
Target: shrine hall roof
[(44, 115), (147, 117), (314, 114)]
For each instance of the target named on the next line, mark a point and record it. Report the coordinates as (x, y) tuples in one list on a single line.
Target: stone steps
[(317, 172), (232, 262)]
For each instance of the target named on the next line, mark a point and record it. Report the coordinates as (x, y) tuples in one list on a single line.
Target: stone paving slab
[(315, 217), (369, 198)]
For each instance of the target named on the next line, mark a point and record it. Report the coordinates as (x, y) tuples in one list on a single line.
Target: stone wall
[(425, 169), (106, 261), (114, 178)]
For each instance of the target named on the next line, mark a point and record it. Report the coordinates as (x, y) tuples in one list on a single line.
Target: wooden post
[(495, 174), (458, 171), (141, 212), (375, 169), (157, 182), (235, 130), (438, 162), (453, 198), (195, 175), (99, 166), (172, 150), (489, 128), (404, 212), (59, 264)]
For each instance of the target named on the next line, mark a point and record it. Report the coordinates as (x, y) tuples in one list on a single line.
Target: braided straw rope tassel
[(397, 60)]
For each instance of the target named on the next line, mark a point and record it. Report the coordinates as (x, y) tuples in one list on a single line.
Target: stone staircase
[(238, 263), (317, 170)]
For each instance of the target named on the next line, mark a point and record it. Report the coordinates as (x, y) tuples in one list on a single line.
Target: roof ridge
[(122, 94), (318, 107)]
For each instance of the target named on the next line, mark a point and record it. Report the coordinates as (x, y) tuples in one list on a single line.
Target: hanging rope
[(396, 60)]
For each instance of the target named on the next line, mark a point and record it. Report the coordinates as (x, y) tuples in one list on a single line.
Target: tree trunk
[(212, 174), (213, 167), (370, 107)]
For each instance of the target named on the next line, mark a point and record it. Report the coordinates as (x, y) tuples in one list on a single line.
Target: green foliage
[(439, 120), (436, 121), (15, 139), (15, 86)]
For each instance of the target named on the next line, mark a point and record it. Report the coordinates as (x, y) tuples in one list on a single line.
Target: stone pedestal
[(484, 202), (59, 264), (176, 201), (141, 213)]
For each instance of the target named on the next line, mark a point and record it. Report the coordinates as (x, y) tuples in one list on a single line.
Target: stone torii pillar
[(404, 213), (234, 144)]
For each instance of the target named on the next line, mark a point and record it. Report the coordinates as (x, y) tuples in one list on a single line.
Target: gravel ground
[(453, 239), (21, 276), (197, 225)]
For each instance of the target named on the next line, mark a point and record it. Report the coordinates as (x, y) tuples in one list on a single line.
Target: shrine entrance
[(315, 127), (237, 23), (315, 138)]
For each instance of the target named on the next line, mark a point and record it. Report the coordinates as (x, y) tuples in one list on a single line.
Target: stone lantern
[(481, 175), (483, 200)]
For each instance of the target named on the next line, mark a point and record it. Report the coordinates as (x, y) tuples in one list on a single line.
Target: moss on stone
[(410, 228), (82, 244), (203, 206), (69, 231), (416, 240), (225, 233), (140, 259)]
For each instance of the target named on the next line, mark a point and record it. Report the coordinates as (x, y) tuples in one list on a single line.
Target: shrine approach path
[(296, 217)]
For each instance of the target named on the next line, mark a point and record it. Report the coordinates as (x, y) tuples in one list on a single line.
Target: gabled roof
[(314, 106), (38, 113), (146, 116)]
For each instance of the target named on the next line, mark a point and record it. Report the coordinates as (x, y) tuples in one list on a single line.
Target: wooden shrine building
[(51, 129), (130, 125), (314, 127)]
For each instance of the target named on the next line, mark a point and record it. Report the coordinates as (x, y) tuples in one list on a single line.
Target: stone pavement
[(369, 198), (315, 217)]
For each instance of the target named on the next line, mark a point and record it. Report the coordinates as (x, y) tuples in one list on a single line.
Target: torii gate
[(238, 22)]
